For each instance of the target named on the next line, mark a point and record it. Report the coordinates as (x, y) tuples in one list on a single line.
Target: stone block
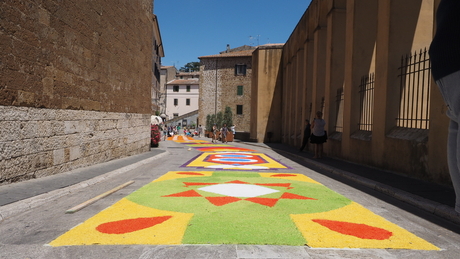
[(58, 156), (74, 153)]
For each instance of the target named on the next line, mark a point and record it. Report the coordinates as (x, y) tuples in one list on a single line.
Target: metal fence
[(415, 85), (366, 96), (339, 110)]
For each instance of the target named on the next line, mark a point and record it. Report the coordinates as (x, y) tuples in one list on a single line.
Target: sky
[(193, 28)]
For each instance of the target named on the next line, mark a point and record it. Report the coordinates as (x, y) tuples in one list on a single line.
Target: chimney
[(228, 48)]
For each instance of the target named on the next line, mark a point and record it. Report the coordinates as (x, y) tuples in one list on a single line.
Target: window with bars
[(187, 101), (366, 97), (339, 110), (415, 86), (176, 102)]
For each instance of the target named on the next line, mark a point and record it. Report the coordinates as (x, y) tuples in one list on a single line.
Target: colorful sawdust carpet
[(240, 207), (235, 161)]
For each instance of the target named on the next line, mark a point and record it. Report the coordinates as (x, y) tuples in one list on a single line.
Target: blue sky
[(193, 28)]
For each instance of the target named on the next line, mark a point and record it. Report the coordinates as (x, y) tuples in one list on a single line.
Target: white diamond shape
[(238, 190)]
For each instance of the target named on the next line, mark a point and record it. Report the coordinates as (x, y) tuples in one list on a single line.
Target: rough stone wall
[(227, 84), (71, 54), (75, 84), (39, 142), (207, 90)]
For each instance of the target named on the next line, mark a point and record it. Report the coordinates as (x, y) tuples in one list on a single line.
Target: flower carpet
[(239, 205)]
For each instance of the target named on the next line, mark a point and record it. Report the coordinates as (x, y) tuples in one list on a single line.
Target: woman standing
[(318, 135)]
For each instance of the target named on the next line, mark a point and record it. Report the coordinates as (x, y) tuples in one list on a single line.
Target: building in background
[(158, 53), (226, 81), (167, 73), (182, 101)]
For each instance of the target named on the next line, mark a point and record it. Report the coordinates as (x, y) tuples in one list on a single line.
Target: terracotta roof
[(194, 81), (244, 53)]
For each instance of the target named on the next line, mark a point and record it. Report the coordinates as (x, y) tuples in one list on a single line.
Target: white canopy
[(155, 120)]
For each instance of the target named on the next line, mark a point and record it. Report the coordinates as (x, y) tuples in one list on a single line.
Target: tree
[(228, 116), (219, 119), (210, 121), (190, 67)]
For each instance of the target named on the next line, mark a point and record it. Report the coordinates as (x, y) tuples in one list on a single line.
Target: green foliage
[(190, 67), (219, 119), (228, 117), (210, 121)]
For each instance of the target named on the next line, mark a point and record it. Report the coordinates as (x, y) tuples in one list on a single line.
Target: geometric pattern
[(240, 207), (235, 161)]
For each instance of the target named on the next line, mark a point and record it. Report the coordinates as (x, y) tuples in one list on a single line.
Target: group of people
[(223, 133), (316, 133), (169, 131)]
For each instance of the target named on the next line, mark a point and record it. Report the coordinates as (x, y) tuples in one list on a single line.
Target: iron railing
[(339, 110), (415, 85), (366, 97)]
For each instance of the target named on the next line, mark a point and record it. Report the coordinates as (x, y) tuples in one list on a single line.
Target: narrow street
[(239, 200)]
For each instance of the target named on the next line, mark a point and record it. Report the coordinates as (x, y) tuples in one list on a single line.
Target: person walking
[(445, 68), (200, 131), (215, 131), (318, 136), (165, 132), (223, 133), (306, 135)]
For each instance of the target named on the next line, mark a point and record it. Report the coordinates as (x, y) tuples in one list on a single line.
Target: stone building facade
[(76, 83), (167, 73), (363, 64), (226, 81)]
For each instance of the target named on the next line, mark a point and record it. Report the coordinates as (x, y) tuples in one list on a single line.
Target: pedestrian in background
[(214, 133), (306, 135), (200, 130), (165, 131), (318, 136), (445, 68), (223, 133), (232, 128)]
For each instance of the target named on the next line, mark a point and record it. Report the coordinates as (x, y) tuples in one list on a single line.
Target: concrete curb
[(438, 209), (36, 201)]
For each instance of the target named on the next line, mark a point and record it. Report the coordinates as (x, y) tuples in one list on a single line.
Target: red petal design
[(362, 231), (270, 202), (220, 201), (288, 195), (130, 225), (191, 193)]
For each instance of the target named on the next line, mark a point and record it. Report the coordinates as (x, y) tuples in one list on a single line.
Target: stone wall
[(336, 45), (227, 84), (40, 142), (75, 84), (70, 54)]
